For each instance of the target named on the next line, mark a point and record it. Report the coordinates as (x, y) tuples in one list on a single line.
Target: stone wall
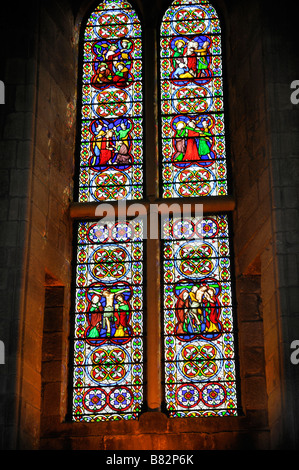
[(281, 312), (18, 71), (264, 142), (37, 161), (252, 219)]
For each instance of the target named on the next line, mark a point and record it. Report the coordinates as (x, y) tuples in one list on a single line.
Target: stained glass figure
[(192, 110), (112, 128), (108, 347), (200, 369)]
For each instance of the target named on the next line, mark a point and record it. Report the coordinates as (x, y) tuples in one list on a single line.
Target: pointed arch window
[(199, 346), (108, 316), (111, 157), (192, 109)]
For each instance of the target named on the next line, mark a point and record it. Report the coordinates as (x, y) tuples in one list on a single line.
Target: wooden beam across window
[(92, 210)]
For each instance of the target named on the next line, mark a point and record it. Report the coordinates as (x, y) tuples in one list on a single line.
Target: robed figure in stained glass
[(198, 311), (102, 145), (113, 63), (193, 143), (190, 57), (110, 144), (109, 313), (211, 312), (123, 144)]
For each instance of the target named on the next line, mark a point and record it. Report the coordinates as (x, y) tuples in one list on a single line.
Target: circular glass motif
[(122, 231), (192, 182), (190, 20), (109, 263), (120, 399), (199, 361), (94, 400), (207, 227), (192, 99), (114, 23), (213, 394), (187, 396), (110, 185), (112, 103), (183, 229), (97, 233), (108, 366), (196, 260)]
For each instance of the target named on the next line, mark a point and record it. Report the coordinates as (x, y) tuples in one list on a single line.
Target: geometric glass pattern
[(108, 343), (199, 351), (111, 152), (192, 109)]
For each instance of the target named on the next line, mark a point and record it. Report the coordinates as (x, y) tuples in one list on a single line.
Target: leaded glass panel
[(192, 110), (199, 350), (108, 346), (111, 152)]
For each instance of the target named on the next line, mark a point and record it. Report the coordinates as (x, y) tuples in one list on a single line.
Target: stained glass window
[(200, 368), (108, 347), (108, 305), (192, 110), (198, 311), (111, 153)]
